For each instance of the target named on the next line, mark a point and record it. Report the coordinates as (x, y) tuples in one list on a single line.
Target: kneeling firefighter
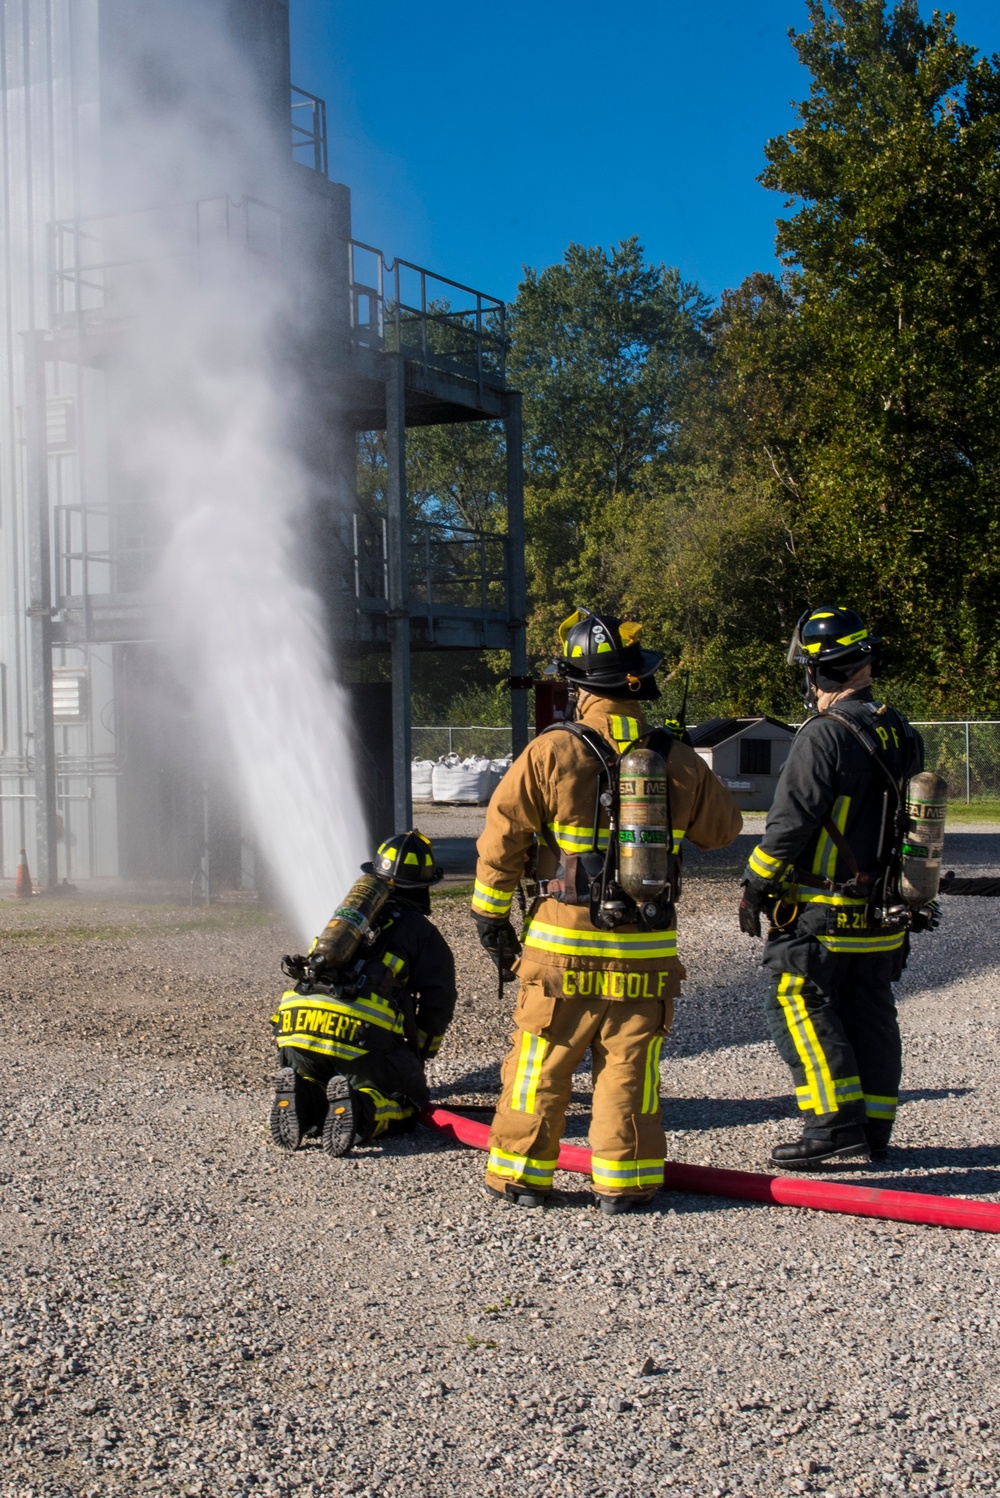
[(843, 878), (370, 1004), (604, 801)]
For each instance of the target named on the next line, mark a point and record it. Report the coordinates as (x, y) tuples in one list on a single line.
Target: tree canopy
[(829, 432)]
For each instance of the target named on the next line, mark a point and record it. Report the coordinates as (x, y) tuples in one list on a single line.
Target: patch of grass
[(453, 892), (221, 918), (231, 918), (973, 811), (62, 935)]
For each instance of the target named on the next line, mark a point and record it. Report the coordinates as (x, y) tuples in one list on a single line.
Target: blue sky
[(479, 138)]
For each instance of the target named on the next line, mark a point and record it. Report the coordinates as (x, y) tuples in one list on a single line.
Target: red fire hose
[(785, 1191)]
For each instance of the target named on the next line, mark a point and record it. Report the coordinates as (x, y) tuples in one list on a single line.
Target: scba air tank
[(643, 834), (350, 923), (923, 841)]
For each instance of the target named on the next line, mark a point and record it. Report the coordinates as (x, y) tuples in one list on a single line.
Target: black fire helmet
[(833, 643), (405, 861), (602, 654)]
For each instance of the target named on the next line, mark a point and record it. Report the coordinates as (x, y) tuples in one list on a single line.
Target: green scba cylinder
[(923, 843), (350, 924), (643, 834)]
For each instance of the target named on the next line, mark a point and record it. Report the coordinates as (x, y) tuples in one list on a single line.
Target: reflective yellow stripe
[(810, 1052), (880, 1107), (623, 730), (620, 946), (802, 895), (825, 857), (370, 1009), (651, 1084), (529, 1069), (642, 1175), (489, 901), (320, 1046), (429, 1046), (763, 865), (387, 1110), (520, 1168), (889, 942), (847, 1090), (678, 838), (394, 964), (577, 839)]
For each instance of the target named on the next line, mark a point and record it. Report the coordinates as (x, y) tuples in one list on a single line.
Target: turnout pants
[(378, 1076), (833, 1020), (552, 1034), (321, 1035)]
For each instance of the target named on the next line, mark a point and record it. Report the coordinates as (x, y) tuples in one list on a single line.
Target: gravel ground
[(183, 1310)]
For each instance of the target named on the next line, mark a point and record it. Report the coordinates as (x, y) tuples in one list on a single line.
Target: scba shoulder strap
[(609, 760), (867, 736), (587, 878)]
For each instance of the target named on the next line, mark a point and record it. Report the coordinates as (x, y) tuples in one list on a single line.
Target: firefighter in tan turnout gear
[(605, 983)]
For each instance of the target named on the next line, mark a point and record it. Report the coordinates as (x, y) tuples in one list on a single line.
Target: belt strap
[(842, 846), (816, 881)]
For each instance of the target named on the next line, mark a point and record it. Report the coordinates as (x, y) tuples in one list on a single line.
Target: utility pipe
[(784, 1191)]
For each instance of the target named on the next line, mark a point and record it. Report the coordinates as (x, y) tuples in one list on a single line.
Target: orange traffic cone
[(22, 884)]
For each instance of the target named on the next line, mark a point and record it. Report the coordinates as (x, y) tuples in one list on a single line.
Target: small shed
[(747, 754)]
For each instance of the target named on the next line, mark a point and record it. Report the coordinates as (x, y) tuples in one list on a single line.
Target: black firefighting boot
[(877, 1133), (349, 1118), (612, 1206), (814, 1153), (297, 1111), (521, 1196)]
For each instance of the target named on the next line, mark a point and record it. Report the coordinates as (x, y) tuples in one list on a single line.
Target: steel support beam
[(399, 600), (517, 603), (40, 607)]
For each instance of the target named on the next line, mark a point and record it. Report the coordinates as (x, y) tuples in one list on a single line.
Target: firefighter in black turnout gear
[(837, 941), (352, 1045)]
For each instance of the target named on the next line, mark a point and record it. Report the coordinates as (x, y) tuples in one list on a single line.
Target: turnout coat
[(548, 799)]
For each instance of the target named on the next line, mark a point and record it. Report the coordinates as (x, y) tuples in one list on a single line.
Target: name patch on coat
[(613, 985)]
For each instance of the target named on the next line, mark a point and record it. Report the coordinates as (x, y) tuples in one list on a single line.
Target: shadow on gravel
[(974, 1170), (689, 1113), (933, 1094)]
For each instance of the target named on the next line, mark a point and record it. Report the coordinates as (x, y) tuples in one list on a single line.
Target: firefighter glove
[(751, 905), (499, 939)]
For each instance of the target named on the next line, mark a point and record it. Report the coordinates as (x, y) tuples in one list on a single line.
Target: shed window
[(755, 756)]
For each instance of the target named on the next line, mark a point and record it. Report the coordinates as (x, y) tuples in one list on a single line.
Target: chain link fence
[(967, 754), (474, 738)]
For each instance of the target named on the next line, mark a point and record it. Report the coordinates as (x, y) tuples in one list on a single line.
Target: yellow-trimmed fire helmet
[(603, 655), (405, 860)]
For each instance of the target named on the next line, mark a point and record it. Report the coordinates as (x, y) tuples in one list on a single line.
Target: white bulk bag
[(421, 773), (460, 783)]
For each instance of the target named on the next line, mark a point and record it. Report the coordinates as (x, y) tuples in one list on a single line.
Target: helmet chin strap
[(809, 692)]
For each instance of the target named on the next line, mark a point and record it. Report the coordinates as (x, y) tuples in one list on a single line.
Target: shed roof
[(717, 731)]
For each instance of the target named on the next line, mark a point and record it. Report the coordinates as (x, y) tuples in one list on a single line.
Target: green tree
[(599, 346), (715, 559), (894, 258)]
